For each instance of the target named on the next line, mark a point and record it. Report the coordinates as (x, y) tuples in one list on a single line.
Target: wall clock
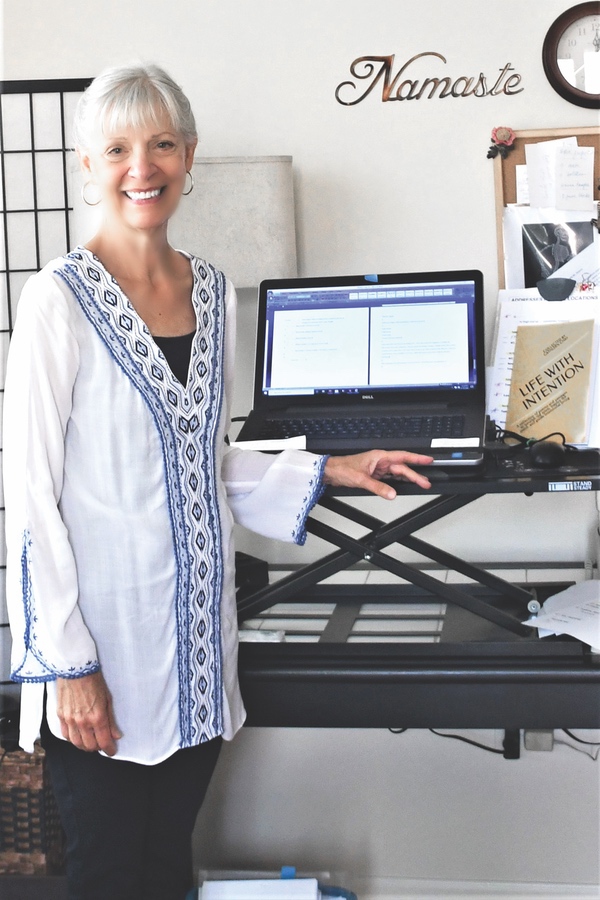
[(571, 55)]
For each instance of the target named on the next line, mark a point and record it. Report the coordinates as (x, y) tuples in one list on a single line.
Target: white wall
[(378, 187), (415, 806)]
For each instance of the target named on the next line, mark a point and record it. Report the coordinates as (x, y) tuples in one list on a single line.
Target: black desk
[(486, 670)]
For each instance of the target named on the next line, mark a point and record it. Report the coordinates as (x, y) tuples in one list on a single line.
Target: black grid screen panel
[(36, 217)]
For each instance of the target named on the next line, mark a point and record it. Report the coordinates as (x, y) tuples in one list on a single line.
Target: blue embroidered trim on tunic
[(187, 419), (24, 672), (317, 487)]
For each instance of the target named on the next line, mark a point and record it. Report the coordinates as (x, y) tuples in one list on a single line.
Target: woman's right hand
[(84, 707)]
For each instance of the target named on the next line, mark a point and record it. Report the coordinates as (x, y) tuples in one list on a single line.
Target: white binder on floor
[(261, 889)]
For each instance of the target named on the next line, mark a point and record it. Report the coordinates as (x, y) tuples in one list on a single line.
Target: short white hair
[(132, 96)]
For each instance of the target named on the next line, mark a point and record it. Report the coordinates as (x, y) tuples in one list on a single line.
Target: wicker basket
[(32, 841)]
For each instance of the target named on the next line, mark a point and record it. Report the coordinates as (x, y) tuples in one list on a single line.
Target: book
[(517, 308), (552, 380)]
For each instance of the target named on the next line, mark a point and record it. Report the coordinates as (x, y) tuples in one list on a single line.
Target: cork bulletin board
[(505, 183)]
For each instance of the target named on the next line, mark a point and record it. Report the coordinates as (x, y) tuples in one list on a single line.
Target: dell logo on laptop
[(367, 396)]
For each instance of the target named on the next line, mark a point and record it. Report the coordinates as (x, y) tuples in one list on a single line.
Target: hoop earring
[(187, 193), (84, 198)]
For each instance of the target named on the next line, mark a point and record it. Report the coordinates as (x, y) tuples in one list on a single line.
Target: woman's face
[(140, 173)]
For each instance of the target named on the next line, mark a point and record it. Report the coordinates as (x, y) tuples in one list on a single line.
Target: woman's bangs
[(138, 109)]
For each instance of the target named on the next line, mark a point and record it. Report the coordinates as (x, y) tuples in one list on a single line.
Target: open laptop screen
[(321, 339)]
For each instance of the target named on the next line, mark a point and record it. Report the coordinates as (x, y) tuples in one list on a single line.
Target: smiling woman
[(121, 495), (140, 174), (144, 167), (135, 139)]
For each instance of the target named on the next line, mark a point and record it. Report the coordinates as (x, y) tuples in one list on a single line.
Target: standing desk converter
[(485, 669)]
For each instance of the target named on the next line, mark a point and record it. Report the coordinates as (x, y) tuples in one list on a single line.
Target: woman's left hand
[(364, 470)]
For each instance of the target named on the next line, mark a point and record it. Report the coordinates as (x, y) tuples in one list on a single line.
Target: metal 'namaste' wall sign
[(370, 70)]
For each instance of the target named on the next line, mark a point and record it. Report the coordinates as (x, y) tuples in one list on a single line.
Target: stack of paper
[(575, 611)]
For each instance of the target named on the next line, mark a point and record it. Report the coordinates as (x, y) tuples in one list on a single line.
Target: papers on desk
[(575, 611)]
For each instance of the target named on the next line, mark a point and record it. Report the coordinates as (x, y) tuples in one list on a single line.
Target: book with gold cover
[(552, 380)]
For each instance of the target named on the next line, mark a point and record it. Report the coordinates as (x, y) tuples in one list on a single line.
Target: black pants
[(128, 826)]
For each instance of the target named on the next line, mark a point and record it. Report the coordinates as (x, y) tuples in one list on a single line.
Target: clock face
[(578, 54), (571, 54)]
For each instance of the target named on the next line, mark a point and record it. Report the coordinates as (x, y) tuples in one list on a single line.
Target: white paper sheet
[(575, 178), (293, 443), (455, 442), (542, 169), (575, 611), (522, 185), (560, 174)]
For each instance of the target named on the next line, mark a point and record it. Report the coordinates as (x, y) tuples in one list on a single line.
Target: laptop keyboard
[(372, 427)]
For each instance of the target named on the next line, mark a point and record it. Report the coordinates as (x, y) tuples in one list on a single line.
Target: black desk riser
[(487, 670)]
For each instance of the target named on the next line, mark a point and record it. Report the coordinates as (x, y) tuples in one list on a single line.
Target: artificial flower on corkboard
[(503, 141)]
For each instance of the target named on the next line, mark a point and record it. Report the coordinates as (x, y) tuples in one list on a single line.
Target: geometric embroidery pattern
[(187, 419), (26, 670)]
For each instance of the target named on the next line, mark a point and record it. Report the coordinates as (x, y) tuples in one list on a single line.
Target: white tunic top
[(120, 499)]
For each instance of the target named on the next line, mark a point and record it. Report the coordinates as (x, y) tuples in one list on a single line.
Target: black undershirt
[(177, 351)]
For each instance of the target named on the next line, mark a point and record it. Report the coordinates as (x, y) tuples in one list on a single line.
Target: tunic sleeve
[(273, 495), (50, 638)]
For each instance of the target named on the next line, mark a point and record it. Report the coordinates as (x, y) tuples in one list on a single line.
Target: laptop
[(372, 361)]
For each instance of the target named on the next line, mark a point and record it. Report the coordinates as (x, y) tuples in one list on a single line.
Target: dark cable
[(459, 737), (580, 740), (501, 434), (456, 737)]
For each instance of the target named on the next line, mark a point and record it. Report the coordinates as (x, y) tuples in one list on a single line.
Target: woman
[(121, 495)]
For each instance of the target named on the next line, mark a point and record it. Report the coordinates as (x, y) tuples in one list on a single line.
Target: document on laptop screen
[(319, 348), (371, 345), (416, 344)]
